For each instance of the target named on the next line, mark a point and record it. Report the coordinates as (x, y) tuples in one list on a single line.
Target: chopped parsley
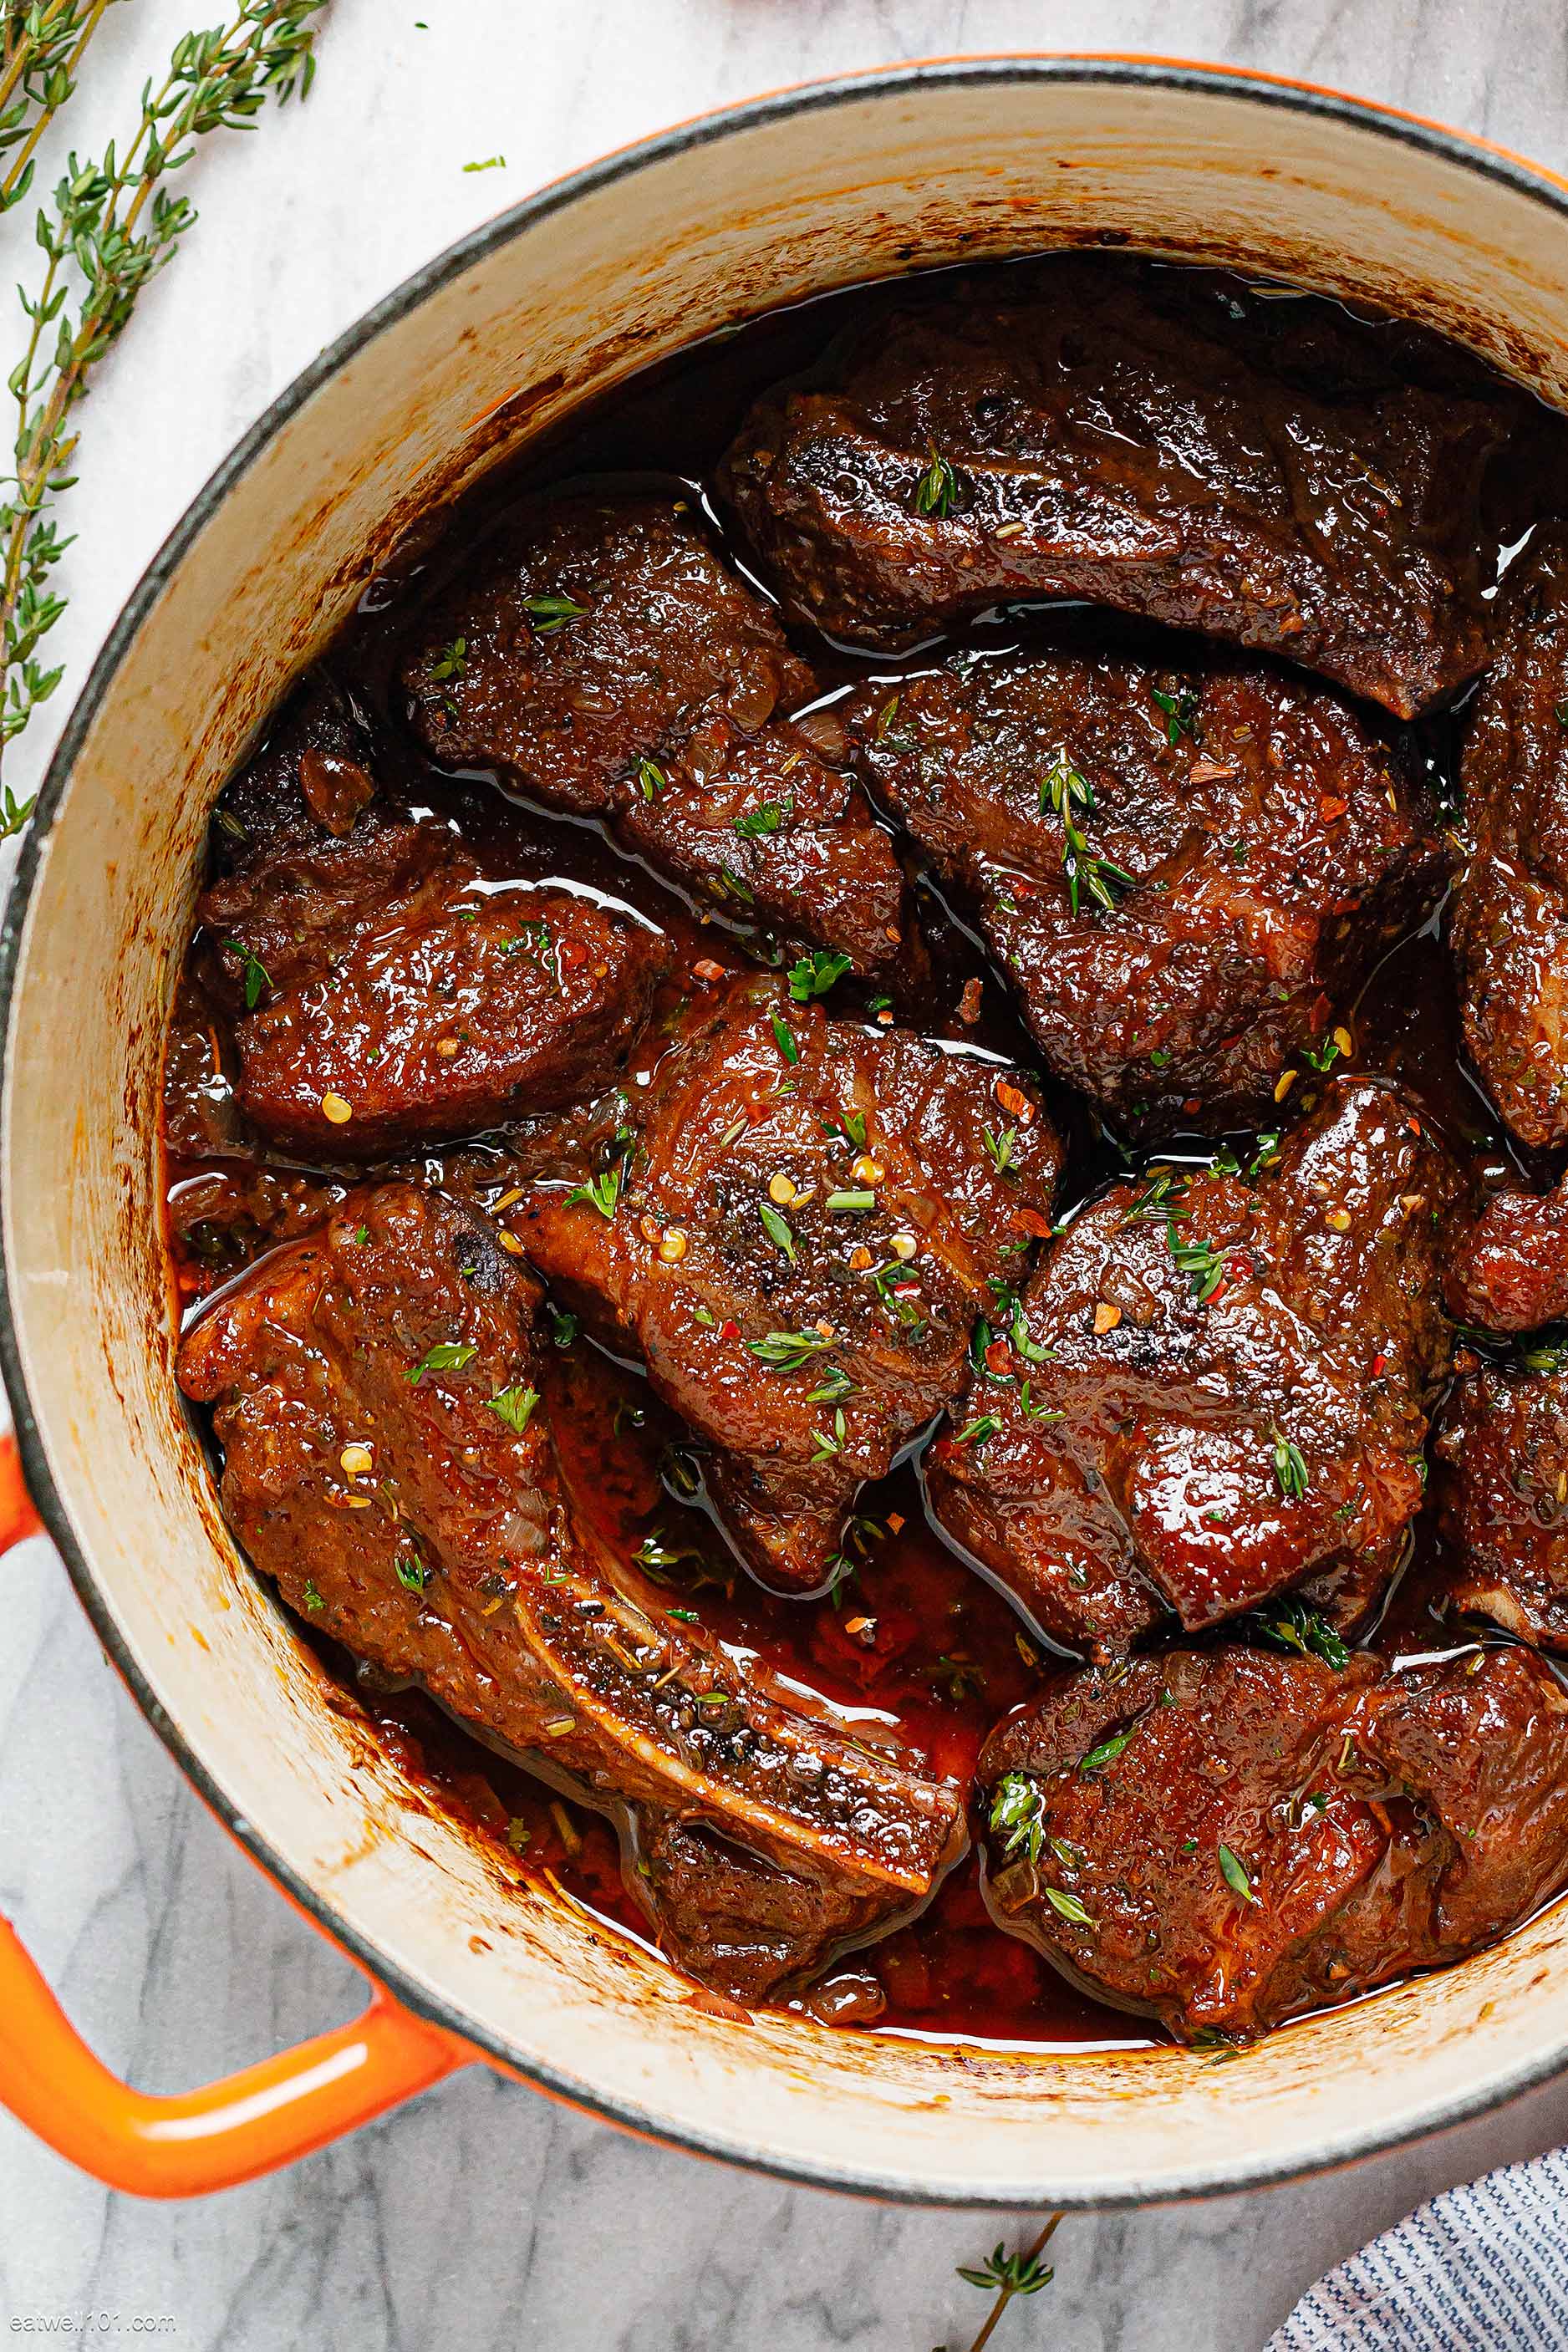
[(1180, 713), (515, 1406), (445, 1356), (602, 1191), (815, 973)]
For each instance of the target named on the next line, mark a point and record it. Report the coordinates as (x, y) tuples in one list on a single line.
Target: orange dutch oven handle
[(228, 2131)]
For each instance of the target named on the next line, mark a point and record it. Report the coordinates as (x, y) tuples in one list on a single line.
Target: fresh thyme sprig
[(111, 226), (1065, 791), (1006, 2275), (44, 46)]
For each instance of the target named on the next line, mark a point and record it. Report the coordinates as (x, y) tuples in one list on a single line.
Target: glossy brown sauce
[(952, 1654)]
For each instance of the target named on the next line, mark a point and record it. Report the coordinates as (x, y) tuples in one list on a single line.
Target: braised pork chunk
[(1223, 1839), (1214, 1387), (1502, 1492), (1170, 443), (798, 1226), (1510, 917), (604, 659), (1184, 864), (382, 992), (376, 1393), (1509, 1268)]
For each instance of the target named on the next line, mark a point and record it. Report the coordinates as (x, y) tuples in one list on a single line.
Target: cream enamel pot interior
[(555, 300)]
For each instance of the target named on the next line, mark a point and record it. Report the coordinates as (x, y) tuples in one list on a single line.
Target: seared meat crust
[(1510, 1269)]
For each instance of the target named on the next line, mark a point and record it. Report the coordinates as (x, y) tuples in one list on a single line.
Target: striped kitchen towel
[(1481, 2269)]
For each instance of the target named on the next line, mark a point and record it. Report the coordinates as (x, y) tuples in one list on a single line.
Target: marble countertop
[(483, 2216)]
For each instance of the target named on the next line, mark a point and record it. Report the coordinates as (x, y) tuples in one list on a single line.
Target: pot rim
[(1119, 68)]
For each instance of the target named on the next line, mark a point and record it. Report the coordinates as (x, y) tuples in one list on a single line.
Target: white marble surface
[(484, 2217)]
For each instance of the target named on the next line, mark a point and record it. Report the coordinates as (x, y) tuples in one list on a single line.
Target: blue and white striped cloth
[(1482, 2269)]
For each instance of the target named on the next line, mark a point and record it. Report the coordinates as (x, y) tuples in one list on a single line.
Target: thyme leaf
[(937, 488), (1233, 1873), (550, 613), (776, 1229), (1290, 1467), (1017, 1813)]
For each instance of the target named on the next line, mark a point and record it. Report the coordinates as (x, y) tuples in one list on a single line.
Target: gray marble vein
[(483, 2216)]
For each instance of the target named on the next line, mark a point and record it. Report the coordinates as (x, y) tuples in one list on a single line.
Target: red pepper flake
[(1328, 808), (569, 952), (1032, 1222), (729, 1329), (706, 969), (1238, 1268), (1015, 1103), (1378, 1366), (1413, 1124), (999, 1359)]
